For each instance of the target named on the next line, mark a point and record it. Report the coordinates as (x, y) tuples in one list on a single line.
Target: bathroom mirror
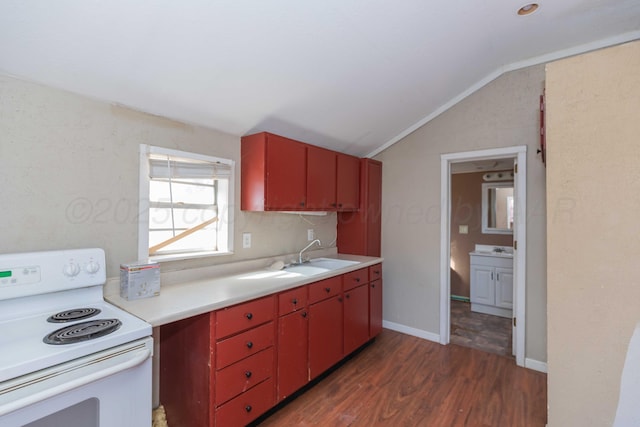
[(497, 208)]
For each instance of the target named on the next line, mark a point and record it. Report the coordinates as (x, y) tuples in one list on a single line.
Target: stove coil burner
[(73, 315), (82, 331)]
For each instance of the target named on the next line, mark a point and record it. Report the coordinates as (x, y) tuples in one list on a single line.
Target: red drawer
[(241, 376), (325, 289), (247, 407), (244, 316), (375, 272), (236, 348), (292, 300), (355, 278)]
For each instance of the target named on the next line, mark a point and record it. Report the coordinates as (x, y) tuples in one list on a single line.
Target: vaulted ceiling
[(351, 75)]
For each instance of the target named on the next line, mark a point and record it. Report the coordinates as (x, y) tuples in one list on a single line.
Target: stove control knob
[(92, 267), (71, 270)]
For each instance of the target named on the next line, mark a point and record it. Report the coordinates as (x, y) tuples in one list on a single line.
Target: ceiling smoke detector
[(528, 9)]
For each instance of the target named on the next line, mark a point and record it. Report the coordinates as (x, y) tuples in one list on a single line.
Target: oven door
[(111, 388)]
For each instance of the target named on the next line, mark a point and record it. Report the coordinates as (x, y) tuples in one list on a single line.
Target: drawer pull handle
[(348, 295), (373, 285), (327, 289), (377, 272), (248, 408), (294, 301), (249, 344), (248, 374), (358, 279), (249, 316), (304, 314)]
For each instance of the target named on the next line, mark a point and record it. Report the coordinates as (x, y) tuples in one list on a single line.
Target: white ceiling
[(351, 75)]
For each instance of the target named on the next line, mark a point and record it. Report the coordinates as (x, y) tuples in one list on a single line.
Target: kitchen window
[(186, 204)]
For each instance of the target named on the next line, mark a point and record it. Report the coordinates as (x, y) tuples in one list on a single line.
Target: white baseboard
[(533, 364), (536, 365), (411, 331)]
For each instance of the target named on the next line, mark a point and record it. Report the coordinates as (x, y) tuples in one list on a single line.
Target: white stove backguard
[(34, 273)]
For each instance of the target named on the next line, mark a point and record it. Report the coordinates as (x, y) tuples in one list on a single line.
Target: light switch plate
[(246, 240), (463, 229), (310, 234)]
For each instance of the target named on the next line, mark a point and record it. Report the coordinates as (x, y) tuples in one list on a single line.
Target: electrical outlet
[(246, 240), (311, 234), (463, 229)]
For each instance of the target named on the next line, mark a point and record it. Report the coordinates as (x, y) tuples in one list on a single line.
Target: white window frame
[(226, 213)]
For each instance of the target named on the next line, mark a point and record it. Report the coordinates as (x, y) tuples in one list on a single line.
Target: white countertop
[(189, 298), (495, 251)]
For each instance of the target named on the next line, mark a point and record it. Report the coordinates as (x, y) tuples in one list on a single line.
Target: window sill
[(185, 256)]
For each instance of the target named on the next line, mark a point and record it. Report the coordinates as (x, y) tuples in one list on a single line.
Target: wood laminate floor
[(400, 380), (481, 331)]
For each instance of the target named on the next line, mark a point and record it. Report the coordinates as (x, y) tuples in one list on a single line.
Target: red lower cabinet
[(228, 367), (293, 359), (375, 308), (356, 318), (325, 335)]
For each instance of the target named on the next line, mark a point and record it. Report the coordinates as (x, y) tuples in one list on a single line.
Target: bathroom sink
[(319, 266)]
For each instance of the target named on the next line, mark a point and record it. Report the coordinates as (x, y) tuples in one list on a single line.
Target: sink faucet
[(300, 260)]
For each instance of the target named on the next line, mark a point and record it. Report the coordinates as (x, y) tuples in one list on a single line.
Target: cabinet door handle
[(249, 344), (339, 299), (373, 285), (303, 314), (249, 316), (497, 276), (301, 203), (294, 301), (492, 275), (327, 289), (248, 408), (347, 296), (248, 374)]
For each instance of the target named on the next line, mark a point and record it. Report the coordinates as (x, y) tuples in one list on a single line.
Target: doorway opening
[(502, 287)]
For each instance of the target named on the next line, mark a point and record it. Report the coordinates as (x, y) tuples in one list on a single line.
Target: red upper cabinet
[(359, 233), (273, 173), (281, 174), (348, 180), (321, 178)]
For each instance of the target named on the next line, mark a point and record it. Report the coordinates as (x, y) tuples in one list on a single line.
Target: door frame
[(519, 153)]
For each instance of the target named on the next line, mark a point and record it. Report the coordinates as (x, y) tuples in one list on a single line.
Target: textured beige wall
[(593, 194), (69, 178), (501, 114)]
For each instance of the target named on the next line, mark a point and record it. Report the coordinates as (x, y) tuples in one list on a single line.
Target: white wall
[(503, 113), (593, 190), (69, 178)]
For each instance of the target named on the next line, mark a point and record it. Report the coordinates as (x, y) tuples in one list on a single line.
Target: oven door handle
[(134, 361)]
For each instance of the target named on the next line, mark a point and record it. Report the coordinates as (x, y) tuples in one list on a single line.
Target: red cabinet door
[(286, 180), (293, 338), (325, 335), (374, 208), (348, 180), (356, 318), (321, 178), (375, 307), (359, 232)]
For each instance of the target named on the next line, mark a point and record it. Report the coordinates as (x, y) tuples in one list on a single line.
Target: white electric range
[(68, 357)]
